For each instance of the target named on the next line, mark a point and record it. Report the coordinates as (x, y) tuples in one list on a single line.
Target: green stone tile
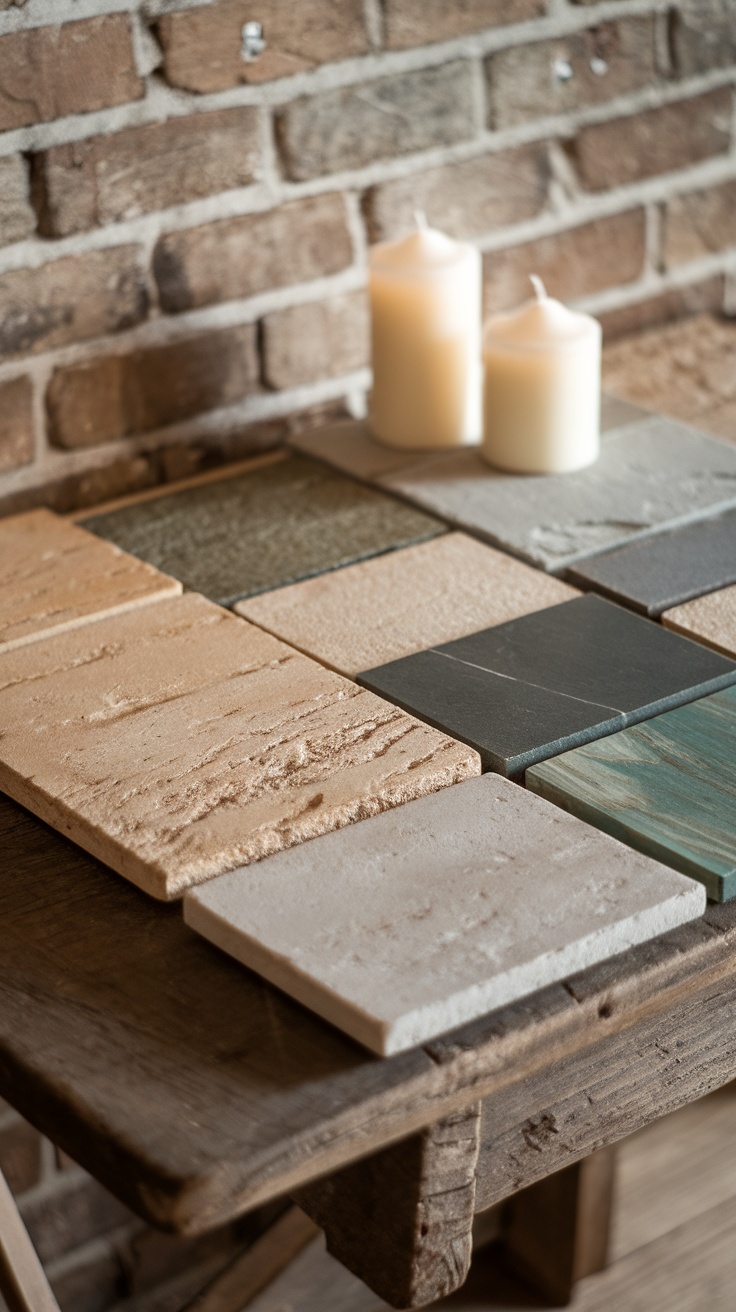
[(265, 527), (666, 787)]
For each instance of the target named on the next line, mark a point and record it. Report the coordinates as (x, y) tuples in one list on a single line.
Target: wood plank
[(195, 1091), (402, 1220), (23, 1282), (258, 1266)]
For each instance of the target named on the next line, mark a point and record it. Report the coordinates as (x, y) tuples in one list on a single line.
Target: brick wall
[(183, 234)]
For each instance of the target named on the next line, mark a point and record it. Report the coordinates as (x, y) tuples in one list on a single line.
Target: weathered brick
[(664, 307), (657, 141), (699, 223), (239, 257), (48, 72), (108, 179), (467, 199), (90, 1280), (574, 263), (418, 22), (20, 1144), (71, 299), (87, 487), (202, 47), (353, 126), (16, 424), (61, 1218), (322, 339), (703, 35), (120, 395), (604, 61), (17, 219)]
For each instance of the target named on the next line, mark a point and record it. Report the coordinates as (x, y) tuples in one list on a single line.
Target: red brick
[(657, 141), (108, 179), (17, 218), (88, 487), (233, 258), (71, 299), (703, 35), (61, 1218), (352, 126), (49, 72), (20, 1144), (418, 22), (663, 308), (523, 84), (325, 339), (16, 424), (700, 223), (202, 46), (467, 199), (574, 263), (119, 395)]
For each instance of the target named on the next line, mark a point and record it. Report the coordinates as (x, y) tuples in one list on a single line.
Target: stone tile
[(177, 741), (530, 689), (418, 921), (710, 619), (383, 609), (262, 528), (666, 569), (665, 787), (652, 475), (55, 576)]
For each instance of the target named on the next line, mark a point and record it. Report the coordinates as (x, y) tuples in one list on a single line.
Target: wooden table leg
[(23, 1282), (402, 1219), (557, 1231)]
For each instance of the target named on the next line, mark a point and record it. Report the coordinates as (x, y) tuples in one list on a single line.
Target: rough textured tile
[(661, 571), (532, 688), (426, 924), (383, 609), (273, 525), (651, 475), (666, 787), (54, 576), (176, 742), (710, 619)]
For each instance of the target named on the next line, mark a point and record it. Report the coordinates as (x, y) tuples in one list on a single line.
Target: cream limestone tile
[(710, 619), (177, 741), (55, 576), (377, 611)]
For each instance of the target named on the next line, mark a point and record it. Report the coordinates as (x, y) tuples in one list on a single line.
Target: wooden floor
[(674, 1240)]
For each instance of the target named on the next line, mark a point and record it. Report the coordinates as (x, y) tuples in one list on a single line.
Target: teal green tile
[(666, 787)]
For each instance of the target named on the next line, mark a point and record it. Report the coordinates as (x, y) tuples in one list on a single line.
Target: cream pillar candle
[(425, 297), (542, 388)]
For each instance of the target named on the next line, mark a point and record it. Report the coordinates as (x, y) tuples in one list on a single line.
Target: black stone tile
[(530, 689), (263, 528), (659, 572)]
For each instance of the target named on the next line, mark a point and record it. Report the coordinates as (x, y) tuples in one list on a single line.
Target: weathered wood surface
[(402, 1220), (195, 1091)]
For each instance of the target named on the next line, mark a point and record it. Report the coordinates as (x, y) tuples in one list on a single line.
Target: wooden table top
[(195, 1091)]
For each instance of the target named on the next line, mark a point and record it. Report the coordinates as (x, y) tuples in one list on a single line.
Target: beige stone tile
[(55, 576), (710, 619), (383, 609), (177, 741)]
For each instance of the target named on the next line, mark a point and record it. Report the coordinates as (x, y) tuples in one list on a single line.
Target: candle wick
[(420, 219), (540, 291)]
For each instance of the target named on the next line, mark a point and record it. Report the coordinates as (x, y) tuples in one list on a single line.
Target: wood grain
[(402, 1220), (195, 1091)]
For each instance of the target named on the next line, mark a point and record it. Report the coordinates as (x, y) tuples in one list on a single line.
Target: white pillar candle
[(425, 297), (542, 388)]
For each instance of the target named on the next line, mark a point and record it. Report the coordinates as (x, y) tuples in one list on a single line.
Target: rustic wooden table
[(195, 1091)]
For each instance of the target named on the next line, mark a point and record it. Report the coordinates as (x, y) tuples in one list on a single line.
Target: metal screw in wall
[(254, 42)]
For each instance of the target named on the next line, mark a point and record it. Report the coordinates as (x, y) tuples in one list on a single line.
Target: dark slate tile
[(659, 572), (667, 788), (529, 689), (264, 527)]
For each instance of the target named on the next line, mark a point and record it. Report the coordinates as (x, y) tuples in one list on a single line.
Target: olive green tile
[(667, 787), (263, 528)]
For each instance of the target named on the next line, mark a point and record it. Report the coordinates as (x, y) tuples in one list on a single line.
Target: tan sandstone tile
[(383, 609), (177, 741), (710, 619), (55, 576)]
